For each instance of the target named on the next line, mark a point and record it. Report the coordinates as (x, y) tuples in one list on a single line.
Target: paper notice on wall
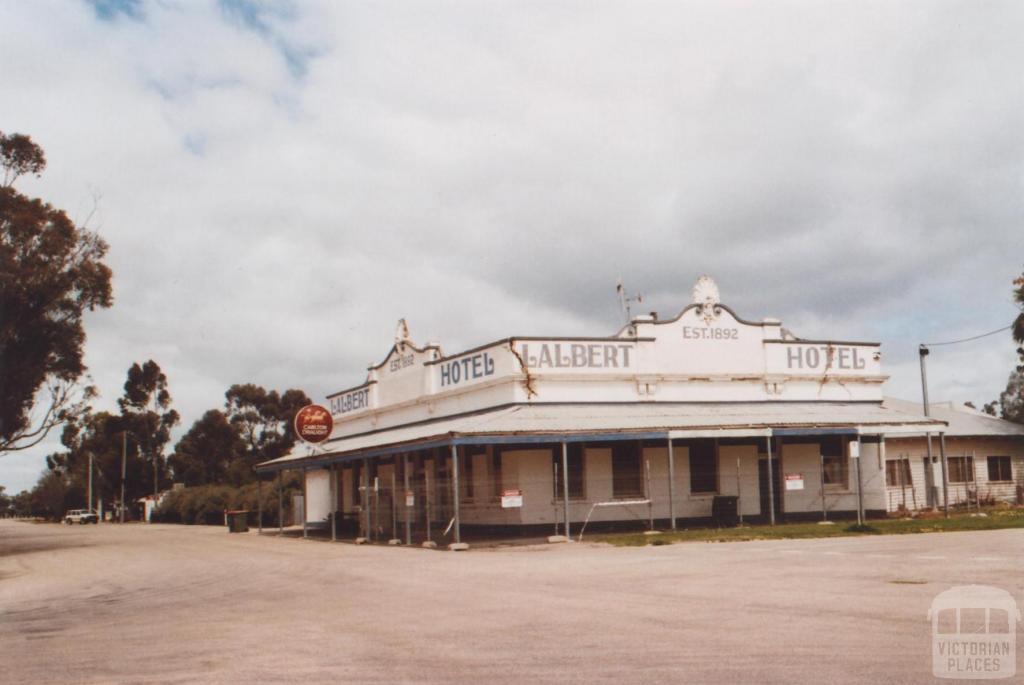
[(511, 499), (794, 481), (410, 498)]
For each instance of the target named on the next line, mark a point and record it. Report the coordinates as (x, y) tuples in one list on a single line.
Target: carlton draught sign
[(313, 423)]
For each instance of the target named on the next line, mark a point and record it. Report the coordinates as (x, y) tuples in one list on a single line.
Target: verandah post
[(426, 493), (455, 491), (739, 491), (405, 485), (305, 508), (671, 484), (555, 497), (647, 487), (280, 503), (394, 499), (335, 492), (860, 489), (945, 473), (821, 474), (565, 488), (771, 484), (366, 497)]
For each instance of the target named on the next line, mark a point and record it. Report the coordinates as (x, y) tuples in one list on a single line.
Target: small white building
[(665, 421), (148, 504)]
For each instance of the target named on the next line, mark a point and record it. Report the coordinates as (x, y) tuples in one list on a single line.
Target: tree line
[(129, 446)]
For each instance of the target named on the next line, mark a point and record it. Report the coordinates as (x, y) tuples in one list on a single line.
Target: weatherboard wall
[(914, 495)]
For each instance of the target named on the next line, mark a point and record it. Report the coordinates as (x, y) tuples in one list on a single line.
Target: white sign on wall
[(794, 481), (511, 499)]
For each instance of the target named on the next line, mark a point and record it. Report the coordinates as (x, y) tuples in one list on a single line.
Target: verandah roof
[(591, 422)]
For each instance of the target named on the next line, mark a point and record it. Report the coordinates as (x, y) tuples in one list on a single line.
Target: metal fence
[(506, 493)]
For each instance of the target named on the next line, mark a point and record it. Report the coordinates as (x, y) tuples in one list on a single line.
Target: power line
[(976, 337)]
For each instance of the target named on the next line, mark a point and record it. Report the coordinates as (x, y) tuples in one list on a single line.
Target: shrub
[(206, 504)]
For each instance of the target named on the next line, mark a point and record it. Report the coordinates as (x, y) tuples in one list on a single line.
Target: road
[(177, 604)]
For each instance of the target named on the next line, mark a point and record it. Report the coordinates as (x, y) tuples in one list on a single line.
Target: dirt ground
[(175, 604)]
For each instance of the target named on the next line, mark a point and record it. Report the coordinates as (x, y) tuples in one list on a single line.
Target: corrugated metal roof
[(536, 422), (963, 421)]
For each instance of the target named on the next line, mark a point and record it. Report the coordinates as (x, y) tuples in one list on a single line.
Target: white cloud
[(280, 183)]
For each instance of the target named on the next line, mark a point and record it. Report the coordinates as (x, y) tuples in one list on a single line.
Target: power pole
[(90, 481), (156, 457), (155, 485), (124, 458), (922, 352)]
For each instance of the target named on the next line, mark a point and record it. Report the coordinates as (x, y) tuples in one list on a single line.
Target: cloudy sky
[(281, 182)]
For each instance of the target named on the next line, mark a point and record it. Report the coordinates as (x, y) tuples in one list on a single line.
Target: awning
[(592, 422)]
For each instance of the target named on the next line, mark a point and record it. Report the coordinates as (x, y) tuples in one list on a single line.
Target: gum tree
[(51, 273), (1011, 400)]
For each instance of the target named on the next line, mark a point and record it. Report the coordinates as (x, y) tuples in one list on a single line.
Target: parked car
[(81, 516)]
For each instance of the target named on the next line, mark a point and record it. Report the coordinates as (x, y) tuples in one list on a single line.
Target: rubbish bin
[(238, 521), (725, 511)]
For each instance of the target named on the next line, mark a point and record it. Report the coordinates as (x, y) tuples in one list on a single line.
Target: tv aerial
[(626, 301)]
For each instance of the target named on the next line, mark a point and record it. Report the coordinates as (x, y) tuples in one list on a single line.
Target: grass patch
[(995, 518)]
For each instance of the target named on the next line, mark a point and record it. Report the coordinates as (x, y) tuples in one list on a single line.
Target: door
[(762, 480)]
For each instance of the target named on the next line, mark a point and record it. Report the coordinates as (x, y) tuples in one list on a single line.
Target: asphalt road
[(175, 604)]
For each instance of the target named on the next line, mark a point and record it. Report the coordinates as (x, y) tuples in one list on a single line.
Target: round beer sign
[(313, 423)]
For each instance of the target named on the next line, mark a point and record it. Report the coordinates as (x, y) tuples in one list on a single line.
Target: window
[(961, 469), (627, 476), (357, 484), (999, 469), (496, 470), (575, 460), (835, 464), (466, 460), (897, 473), (703, 466), (440, 475)]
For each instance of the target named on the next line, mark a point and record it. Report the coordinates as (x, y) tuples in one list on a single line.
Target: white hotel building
[(663, 424)]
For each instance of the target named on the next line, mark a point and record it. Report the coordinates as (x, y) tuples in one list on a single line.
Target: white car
[(80, 516)]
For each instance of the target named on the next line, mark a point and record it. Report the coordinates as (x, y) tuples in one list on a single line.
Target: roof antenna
[(625, 301)]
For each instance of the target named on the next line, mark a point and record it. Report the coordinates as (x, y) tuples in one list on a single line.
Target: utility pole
[(156, 480), (156, 457), (124, 459), (90, 481), (922, 352)]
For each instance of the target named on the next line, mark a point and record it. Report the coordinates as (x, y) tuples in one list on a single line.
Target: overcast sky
[(281, 182)]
